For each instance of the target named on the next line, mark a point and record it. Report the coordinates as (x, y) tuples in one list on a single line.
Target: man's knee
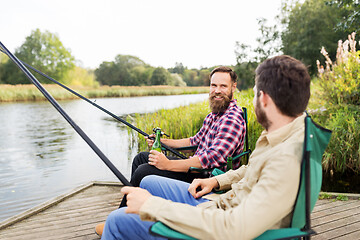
[(142, 171), (149, 181), (115, 218), (139, 159)]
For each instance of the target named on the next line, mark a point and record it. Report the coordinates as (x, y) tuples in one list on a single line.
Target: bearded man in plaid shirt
[(222, 135)]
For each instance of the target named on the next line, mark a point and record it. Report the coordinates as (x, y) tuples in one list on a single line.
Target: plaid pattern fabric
[(221, 135)]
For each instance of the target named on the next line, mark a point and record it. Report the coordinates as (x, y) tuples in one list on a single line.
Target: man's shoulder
[(234, 112)]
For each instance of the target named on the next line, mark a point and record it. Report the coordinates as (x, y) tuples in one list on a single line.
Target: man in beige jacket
[(259, 196)]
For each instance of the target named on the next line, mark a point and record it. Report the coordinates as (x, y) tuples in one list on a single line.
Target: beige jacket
[(261, 194)]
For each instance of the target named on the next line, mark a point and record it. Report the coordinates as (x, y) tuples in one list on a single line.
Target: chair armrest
[(193, 148), (248, 152), (160, 229), (201, 170)]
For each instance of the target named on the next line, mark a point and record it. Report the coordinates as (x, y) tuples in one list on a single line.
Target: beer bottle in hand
[(157, 144)]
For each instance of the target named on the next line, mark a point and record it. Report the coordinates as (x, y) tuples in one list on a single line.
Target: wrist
[(215, 183), (170, 165)]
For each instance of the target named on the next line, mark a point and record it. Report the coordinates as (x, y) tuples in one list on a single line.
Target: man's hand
[(200, 187), (149, 141), (159, 160), (135, 198)]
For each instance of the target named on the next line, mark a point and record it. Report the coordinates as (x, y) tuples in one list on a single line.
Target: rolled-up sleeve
[(195, 140)]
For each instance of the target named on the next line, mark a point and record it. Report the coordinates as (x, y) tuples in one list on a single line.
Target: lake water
[(41, 155)]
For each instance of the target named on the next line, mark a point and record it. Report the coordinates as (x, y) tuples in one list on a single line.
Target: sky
[(196, 33)]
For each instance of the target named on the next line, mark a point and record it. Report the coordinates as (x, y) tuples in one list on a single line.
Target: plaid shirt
[(221, 135)]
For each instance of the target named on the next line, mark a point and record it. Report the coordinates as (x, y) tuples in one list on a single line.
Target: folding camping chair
[(315, 142)]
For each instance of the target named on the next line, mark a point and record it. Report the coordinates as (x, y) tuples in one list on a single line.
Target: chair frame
[(245, 152)]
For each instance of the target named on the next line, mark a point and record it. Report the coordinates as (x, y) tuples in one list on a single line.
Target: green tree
[(177, 80), (107, 74), (351, 12), (126, 70), (179, 68), (203, 78), (245, 66), (140, 75), (189, 77), (308, 27), (43, 51), (3, 60), (267, 45), (246, 74), (160, 76), (81, 77)]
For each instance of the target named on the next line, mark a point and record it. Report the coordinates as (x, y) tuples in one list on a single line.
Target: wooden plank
[(336, 219), (327, 225), (334, 207), (341, 231), (67, 218), (352, 235), (325, 204), (42, 207), (335, 214), (75, 215)]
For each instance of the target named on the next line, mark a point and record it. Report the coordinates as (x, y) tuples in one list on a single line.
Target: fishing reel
[(155, 129)]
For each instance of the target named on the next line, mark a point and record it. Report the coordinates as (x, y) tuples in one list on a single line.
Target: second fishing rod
[(101, 108)]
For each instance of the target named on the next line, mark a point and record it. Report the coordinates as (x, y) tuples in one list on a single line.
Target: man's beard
[(261, 115), (218, 106)]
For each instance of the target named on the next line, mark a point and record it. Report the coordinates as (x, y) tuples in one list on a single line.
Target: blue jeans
[(120, 225)]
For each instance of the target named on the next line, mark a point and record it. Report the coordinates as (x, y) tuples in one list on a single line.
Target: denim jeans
[(120, 225)]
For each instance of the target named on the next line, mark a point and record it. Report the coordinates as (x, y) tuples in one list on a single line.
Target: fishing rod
[(101, 108), (64, 114)]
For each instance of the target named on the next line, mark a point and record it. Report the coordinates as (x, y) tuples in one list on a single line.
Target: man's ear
[(234, 86), (264, 99)]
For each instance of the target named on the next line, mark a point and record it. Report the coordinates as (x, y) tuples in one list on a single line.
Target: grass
[(325, 196), (334, 197), (186, 121), (28, 92), (342, 197)]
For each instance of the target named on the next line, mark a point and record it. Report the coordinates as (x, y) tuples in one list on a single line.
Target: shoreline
[(28, 92)]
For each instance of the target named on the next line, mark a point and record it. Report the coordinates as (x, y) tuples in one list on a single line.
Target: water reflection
[(41, 156)]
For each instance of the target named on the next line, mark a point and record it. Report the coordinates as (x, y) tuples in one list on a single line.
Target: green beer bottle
[(157, 144), (229, 164)]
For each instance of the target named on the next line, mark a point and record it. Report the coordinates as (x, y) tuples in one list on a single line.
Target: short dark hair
[(226, 70), (287, 81)]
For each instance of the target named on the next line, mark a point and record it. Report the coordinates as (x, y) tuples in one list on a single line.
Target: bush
[(343, 152), (340, 88), (341, 81)]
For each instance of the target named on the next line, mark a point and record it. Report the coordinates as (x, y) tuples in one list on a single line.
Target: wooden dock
[(70, 216), (75, 215)]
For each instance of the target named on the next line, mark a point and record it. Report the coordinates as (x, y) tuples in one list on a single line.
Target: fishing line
[(64, 114), (99, 107)]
